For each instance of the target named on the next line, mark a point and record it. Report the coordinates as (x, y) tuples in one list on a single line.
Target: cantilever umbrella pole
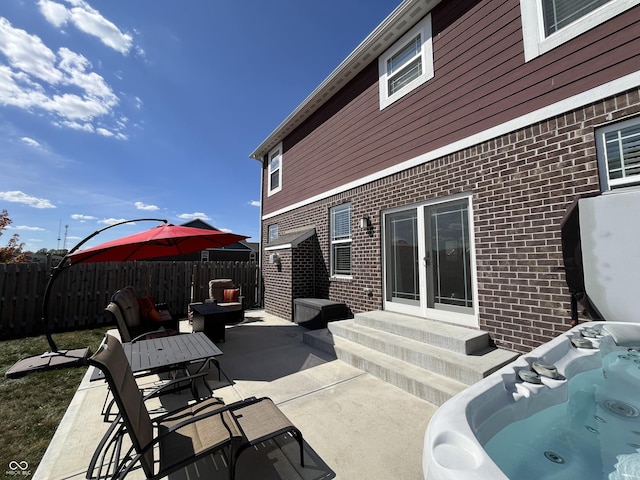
[(63, 266), (162, 241)]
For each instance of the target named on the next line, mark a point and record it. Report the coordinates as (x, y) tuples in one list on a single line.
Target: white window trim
[(535, 43), (333, 242), (424, 29), (603, 167), (271, 191)]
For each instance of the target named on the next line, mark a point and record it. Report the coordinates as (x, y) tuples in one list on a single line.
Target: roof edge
[(401, 20), (292, 238)]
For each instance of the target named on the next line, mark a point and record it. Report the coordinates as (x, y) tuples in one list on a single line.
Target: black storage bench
[(315, 313)]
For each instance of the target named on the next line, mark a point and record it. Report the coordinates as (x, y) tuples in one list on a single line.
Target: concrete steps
[(430, 359)]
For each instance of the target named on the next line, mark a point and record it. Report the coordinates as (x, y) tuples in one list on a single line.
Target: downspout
[(260, 291)]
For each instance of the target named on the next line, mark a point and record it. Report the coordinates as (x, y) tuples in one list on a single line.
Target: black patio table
[(168, 353)]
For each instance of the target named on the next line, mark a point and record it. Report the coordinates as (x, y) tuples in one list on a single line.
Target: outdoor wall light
[(365, 223), (275, 259)]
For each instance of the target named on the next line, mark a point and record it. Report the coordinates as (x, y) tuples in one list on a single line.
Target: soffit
[(405, 16)]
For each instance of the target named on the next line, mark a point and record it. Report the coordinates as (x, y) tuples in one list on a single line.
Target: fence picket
[(81, 292)]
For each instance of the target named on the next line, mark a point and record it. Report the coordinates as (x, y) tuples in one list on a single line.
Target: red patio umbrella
[(162, 241), (166, 240)]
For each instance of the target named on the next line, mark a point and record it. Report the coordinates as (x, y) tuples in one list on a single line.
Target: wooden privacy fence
[(81, 293)]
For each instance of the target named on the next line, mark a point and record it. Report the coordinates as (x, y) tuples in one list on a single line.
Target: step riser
[(428, 392), (428, 359), (420, 331), (322, 340), (432, 362)]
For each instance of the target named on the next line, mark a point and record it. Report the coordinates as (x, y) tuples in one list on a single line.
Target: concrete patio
[(361, 427)]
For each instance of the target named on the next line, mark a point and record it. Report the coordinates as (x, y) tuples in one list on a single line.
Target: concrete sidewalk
[(360, 426)]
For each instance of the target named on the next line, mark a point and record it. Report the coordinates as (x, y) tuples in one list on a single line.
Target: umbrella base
[(49, 361)]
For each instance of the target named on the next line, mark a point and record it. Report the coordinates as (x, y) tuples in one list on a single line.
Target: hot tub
[(580, 420)]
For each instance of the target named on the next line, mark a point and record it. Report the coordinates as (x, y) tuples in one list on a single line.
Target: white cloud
[(31, 229), (112, 221), (254, 203), (86, 127), (21, 197), (31, 142), (82, 218), (27, 53), (104, 132), (75, 66), (92, 22), (88, 20), (61, 84), (142, 206), (55, 13), (193, 216)]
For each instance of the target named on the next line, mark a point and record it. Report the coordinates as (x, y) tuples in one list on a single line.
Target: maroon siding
[(481, 80), (521, 184)]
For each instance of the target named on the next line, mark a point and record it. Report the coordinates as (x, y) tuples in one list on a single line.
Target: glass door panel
[(402, 259), (448, 257)]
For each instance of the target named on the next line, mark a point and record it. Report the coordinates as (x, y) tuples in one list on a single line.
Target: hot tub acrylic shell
[(453, 446)]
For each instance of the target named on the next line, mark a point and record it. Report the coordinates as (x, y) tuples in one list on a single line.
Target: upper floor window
[(618, 148), (407, 64), (547, 24), (340, 235), (275, 170), (273, 233)]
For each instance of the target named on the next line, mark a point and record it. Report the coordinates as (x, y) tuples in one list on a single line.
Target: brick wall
[(277, 280), (303, 262), (521, 185)]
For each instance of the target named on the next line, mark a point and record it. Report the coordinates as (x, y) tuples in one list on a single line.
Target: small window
[(618, 148), (341, 240), (273, 233), (275, 170), (547, 24), (406, 65), (204, 256)]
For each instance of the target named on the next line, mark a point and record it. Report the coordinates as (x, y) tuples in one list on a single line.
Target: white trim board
[(590, 96)]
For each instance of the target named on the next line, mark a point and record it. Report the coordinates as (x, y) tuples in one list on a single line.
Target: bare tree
[(12, 253)]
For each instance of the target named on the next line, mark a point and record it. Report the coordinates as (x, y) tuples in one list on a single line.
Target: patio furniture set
[(140, 318), (163, 444)]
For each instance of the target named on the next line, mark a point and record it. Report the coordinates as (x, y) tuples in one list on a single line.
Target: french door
[(429, 267)]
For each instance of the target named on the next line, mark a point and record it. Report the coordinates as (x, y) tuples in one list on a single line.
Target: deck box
[(315, 313)]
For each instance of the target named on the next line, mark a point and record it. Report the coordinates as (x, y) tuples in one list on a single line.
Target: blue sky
[(116, 110)]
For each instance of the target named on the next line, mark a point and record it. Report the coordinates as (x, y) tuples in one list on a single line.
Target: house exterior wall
[(481, 80), (521, 184), (450, 137)]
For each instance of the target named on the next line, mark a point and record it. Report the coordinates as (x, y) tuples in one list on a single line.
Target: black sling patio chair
[(180, 437)]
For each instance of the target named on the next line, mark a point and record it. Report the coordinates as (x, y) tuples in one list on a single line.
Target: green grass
[(32, 406)]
